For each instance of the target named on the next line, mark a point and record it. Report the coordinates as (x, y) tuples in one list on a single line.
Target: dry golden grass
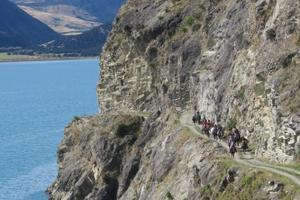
[(62, 20), (184, 136)]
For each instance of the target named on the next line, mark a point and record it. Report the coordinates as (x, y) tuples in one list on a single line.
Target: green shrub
[(247, 180), (76, 118), (287, 60), (184, 29), (189, 20), (206, 190), (261, 76), (231, 123), (267, 12), (130, 127), (169, 195)]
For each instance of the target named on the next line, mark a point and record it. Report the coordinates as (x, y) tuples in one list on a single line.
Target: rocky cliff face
[(235, 61)]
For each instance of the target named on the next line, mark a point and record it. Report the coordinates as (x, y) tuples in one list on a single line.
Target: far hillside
[(79, 30), (71, 17), (88, 43), (17, 28)]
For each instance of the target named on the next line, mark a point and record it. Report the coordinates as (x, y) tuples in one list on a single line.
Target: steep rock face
[(127, 156), (92, 154), (236, 61)]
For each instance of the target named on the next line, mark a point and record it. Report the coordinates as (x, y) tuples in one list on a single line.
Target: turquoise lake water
[(37, 100)]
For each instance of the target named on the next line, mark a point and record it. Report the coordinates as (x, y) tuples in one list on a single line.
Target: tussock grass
[(248, 184), (184, 136)]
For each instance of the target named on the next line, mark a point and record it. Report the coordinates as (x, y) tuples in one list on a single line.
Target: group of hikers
[(216, 131)]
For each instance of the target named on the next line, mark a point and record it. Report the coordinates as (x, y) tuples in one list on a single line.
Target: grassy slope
[(249, 183), (59, 19)]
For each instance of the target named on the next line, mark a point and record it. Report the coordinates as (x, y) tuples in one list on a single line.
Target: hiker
[(230, 138), (211, 130), (208, 124), (214, 132), (237, 136), (231, 144), (203, 120), (198, 118), (220, 131), (244, 144), (194, 118), (232, 149), (205, 127)]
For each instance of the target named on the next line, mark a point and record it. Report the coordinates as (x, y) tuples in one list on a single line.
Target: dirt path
[(248, 160)]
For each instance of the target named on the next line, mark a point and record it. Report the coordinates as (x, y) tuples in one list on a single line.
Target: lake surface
[(37, 100)]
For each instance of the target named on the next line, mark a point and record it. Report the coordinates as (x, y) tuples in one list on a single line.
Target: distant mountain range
[(71, 17), (64, 19), (17, 28), (80, 26), (104, 10)]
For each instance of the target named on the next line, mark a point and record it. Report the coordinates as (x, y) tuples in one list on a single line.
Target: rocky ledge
[(122, 156)]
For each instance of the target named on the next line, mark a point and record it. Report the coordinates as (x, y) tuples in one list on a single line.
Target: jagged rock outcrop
[(235, 61), (93, 153)]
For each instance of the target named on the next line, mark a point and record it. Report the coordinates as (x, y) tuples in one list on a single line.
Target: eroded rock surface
[(235, 60), (97, 161)]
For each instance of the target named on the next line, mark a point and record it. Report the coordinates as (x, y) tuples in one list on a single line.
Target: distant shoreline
[(32, 59)]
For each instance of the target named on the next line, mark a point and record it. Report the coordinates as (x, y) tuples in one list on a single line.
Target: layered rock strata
[(236, 61)]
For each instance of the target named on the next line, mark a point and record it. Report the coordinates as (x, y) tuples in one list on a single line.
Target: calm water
[(37, 100)]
